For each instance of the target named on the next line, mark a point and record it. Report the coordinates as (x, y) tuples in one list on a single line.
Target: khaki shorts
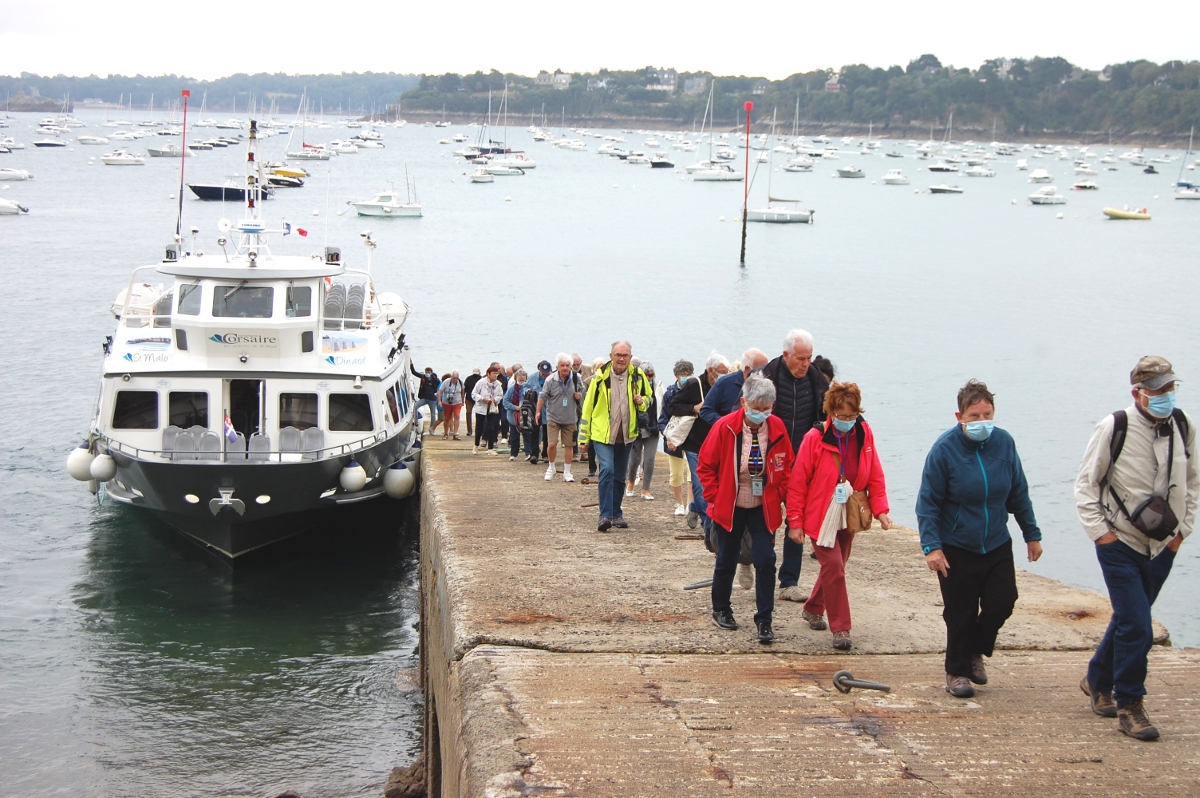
[(565, 433)]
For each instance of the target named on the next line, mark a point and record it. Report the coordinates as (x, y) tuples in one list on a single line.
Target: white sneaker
[(492, 452), (628, 494), (512, 457), (647, 497), (550, 473), (680, 509), (745, 577), (567, 477), (474, 449)]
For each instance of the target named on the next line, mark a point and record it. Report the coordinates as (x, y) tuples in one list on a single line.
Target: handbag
[(858, 512), (679, 427)]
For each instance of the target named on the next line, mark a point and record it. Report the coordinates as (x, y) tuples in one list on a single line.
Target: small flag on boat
[(302, 232), (230, 432), (287, 228)]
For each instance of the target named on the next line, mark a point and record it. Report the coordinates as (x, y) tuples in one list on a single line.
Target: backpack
[(529, 410), (1121, 428)]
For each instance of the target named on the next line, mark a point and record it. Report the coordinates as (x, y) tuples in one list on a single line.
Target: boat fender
[(79, 463), (353, 477), (399, 481), (93, 486), (103, 468)]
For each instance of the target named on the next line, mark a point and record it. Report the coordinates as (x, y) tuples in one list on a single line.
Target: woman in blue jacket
[(971, 483)]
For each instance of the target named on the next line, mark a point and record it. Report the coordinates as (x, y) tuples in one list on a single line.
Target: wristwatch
[(927, 549)]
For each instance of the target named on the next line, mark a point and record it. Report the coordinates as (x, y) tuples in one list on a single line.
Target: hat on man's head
[(545, 367), (1152, 372)]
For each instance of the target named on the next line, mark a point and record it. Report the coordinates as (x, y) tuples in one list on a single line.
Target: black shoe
[(592, 474), (978, 671), (620, 523), (724, 619), (604, 525), (533, 460), (765, 635)]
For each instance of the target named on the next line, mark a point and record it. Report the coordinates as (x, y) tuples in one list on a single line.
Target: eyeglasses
[(845, 416), (620, 355)]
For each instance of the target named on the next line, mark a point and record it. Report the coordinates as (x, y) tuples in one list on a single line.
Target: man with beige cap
[(1136, 496)]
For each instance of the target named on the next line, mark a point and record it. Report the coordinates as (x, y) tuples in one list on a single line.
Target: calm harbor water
[(133, 664)]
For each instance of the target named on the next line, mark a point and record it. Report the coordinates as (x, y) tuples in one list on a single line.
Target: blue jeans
[(793, 558), (698, 505), (1133, 580), (746, 520), (613, 460), (433, 409)]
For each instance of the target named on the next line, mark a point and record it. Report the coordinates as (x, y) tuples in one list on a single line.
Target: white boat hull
[(780, 215), (394, 211)]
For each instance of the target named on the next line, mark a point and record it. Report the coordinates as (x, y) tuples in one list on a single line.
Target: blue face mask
[(1161, 405), (844, 426), (757, 416), (979, 430), (681, 381)]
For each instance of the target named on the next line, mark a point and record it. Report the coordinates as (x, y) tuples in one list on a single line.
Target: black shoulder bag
[(1153, 517)]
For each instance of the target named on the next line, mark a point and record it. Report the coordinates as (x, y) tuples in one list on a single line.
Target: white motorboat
[(1085, 185), (90, 139), (1040, 176), (482, 175), (169, 150), (252, 396), (716, 173), (11, 208), (122, 158), (895, 177), (1022, 165), (850, 171), (945, 189), (660, 160), (9, 143), (310, 152), (1047, 195), (942, 166), (49, 143), (387, 203), (1085, 169), (341, 148), (637, 157), (9, 173), (367, 144), (516, 160), (979, 171), (460, 137), (1186, 191), (500, 170)]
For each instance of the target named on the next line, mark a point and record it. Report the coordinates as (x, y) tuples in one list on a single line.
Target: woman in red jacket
[(744, 466), (833, 462)]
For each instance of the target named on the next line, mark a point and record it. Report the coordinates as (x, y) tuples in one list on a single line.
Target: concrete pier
[(557, 660)]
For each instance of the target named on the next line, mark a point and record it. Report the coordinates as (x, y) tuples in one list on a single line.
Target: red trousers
[(829, 592)]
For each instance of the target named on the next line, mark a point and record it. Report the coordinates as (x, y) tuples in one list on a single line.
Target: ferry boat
[(246, 396)]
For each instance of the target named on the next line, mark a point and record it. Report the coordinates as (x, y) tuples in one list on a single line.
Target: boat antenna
[(182, 160), (746, 183)]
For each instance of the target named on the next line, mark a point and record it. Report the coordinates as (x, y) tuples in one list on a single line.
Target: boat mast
[(1183, 160)]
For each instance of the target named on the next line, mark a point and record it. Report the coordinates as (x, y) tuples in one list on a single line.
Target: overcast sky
[(210, 40)]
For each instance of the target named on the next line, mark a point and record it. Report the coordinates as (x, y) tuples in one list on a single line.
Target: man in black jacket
[(469, 403), (427, 394), (799, 397)]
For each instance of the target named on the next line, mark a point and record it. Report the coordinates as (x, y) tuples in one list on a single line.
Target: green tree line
[(347, 93), (1018, 96)]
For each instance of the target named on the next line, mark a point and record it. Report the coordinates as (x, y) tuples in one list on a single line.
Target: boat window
[(402, 394), (392, 405), (350, 412), (297, 410), (242, 301), (189, 300), (299, 301), (136, 410), (187, 408)]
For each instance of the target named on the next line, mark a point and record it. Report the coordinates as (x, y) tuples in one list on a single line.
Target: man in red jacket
[(744, 466)]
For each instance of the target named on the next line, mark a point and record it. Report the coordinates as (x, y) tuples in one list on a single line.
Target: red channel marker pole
[(182, 160), (746, 182)]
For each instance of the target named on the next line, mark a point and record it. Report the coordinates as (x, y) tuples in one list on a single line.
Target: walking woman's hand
[(1035, 550), (796, 534), (936, 561), (885, 521)]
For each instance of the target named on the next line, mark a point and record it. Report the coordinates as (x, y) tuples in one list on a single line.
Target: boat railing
[(104, 442)]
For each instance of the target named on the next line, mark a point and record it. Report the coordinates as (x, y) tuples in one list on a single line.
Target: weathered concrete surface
[(558, 658)]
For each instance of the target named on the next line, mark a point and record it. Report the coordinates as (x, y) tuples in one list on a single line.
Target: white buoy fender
[(353, 477), (398, 481), (93, 486), (103, 468), (79, 463)]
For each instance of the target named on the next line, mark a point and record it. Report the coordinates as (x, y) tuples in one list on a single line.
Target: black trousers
[(978, 597)]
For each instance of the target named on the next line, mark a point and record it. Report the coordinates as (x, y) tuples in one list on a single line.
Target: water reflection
[(277, 674)]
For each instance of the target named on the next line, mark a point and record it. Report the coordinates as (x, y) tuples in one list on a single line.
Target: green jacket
[(594, 425)]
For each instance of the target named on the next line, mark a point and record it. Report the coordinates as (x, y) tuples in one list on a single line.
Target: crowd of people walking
[(763, 445)]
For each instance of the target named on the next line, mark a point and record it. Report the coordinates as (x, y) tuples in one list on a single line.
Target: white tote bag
[(835, 519)]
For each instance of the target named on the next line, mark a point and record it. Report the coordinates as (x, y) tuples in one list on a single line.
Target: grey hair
[(751, 355), (797, 336), (715, 359), (620, 341), (758, 390), (646, 366), (683, 367), (562, 357), (521, 373)]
